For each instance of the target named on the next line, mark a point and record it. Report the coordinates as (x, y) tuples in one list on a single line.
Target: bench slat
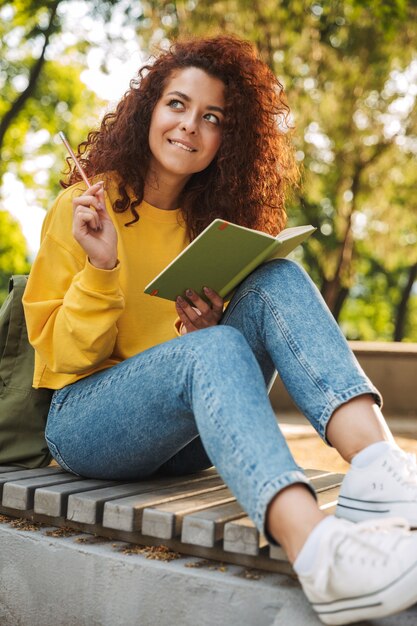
[(242, 536), (323, 483), (164, 521), (328, 499), (195, 511), (126, 513), (28, 473), (88, 507), (52, 500), (206, 527), (9, 468), (20, 494)]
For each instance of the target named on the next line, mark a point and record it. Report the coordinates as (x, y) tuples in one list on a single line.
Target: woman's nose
[(189, 124)]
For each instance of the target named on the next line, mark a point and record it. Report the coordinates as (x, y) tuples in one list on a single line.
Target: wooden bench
[(194, 515)]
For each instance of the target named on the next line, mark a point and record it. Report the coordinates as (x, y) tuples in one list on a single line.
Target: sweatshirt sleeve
[(71, 307)]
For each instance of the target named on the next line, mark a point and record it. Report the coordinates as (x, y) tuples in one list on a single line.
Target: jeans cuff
[(342, 398)]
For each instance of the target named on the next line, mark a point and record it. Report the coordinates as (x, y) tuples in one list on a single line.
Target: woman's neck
[(163, 193)]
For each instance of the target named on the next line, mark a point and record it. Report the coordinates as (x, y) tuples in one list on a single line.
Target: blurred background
[(350, 72)]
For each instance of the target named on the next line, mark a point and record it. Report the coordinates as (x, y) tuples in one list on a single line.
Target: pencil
[(74, 158)]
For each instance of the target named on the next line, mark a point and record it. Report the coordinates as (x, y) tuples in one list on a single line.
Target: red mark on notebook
[(223, 225), (154, 292)]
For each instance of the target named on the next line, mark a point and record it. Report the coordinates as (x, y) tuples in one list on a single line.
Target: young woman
[(201, 134)]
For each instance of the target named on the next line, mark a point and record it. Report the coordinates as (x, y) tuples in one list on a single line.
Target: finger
[(189, 326), (198, 302), (91, 191), (193, 314), (96, 187), (86, 222), (102, 200), (85, 215), (216, 300), (86, 201)]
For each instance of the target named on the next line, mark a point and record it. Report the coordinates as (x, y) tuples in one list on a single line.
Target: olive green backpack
[(23, 410)]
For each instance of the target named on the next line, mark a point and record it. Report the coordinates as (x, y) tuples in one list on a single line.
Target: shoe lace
[(408, 463), (372, 542)]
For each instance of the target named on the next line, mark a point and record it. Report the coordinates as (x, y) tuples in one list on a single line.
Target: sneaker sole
[(381, 603), (356, 510)]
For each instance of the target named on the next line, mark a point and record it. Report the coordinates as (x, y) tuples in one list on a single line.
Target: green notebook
[(221, 257)]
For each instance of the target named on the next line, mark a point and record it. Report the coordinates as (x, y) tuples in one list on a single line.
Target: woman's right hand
[(93, 229)]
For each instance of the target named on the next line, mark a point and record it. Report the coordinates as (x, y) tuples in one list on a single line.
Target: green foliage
[(344, 65), (57, 99), (13, 252), (341, 63)]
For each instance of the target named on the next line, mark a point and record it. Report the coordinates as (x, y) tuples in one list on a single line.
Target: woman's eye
[(213, 119), (175, 104)]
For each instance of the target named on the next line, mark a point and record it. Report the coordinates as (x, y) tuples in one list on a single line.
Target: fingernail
[(207, 290), (101, 206), (189, 293), (180, 301)]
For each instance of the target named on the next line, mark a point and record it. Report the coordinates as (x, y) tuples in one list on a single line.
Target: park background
[(349, 69)]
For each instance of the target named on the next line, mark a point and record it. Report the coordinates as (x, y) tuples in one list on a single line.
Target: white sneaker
[(363, 571), (385, 488)]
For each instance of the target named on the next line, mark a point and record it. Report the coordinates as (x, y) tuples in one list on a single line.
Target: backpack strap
[(14, 353)]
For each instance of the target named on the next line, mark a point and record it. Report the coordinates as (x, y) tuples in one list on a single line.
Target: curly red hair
[(247, 180)]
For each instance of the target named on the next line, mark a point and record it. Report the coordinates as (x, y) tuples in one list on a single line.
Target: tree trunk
[(332, 290), (401, 315)]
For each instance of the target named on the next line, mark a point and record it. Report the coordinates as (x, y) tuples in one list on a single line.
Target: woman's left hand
[(199, 314)]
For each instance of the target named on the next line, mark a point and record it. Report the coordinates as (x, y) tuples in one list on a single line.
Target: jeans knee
[(217, 342), (227, 338), (280, 273)]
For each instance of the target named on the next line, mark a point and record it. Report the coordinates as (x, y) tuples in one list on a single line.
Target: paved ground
[(310, 451)]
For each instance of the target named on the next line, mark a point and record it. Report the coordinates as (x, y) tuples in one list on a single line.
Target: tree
[(348, 71), (338, 61), (13, 252), (40, 67)]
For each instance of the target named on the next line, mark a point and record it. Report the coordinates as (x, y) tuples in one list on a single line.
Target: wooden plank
[(205, 528), (20, 494), (88, 507), (262, 561), (52, 500), (126, 513), (327, 497), (323, 483), (28, 473), (277, 553), (165, 520), (311, 473), (242, 536), (327, 500), (9, 468)]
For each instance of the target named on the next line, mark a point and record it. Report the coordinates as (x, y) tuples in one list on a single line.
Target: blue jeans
[(202, 399)]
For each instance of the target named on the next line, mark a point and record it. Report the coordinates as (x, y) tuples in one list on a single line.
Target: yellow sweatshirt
[(82, 319)]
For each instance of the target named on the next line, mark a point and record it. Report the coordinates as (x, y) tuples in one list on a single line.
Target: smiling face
[(186, 125)]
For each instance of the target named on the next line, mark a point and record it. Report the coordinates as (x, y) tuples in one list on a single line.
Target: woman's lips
[(182, 144)]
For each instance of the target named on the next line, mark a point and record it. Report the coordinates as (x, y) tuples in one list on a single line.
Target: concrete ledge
[(48, 580), (392, 367), (83, 581)]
